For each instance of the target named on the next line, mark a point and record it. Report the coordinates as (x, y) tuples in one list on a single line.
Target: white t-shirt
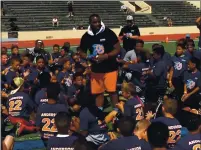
[(55, 20), (123, 7), (130, 56)]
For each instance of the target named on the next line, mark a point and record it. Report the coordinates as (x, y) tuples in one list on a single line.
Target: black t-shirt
[(199, 44), (128, 43), (101, 43)]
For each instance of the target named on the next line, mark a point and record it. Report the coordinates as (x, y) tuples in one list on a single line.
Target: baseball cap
[(129, 18), (39, 41), (188, 36), (18, 81)]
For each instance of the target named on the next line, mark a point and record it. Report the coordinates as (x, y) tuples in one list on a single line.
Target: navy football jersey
[(45, 118), (189, 142), (179, 65), (62, 75), (139, 74), (62, 142), (192, 80), (126, 143), (11, 75), (160, 72), (174, 129), (88, 122), (20, 105), (41, 97), (134, 108)]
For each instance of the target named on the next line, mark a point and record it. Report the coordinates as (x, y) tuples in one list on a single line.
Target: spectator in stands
[(158, 135), (198, 23), (55, 21), (129, 34), (103, 57), (124, 8), (80, 27), (169, 22), (70, 8)]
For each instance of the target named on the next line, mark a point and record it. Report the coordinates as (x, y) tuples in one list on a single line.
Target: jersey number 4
[(15, 105), (48, 122)]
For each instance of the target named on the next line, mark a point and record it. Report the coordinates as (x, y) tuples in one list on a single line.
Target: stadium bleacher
[(182, 13), (37, 15)]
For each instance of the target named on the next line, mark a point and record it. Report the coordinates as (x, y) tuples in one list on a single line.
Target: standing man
[(129, 34), (198, 23), (104, 47), (70, 8)]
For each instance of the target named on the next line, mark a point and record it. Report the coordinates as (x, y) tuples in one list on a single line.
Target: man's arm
[(198, 22), (82, 54), (116, 50), (83, 47)]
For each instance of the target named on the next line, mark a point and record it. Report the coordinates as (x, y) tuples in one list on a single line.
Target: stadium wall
[(26, 39)]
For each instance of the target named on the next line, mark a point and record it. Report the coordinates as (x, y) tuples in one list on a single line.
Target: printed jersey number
[(197, 147), (15, 105), (173, 135), (47, 127), (140, 113)]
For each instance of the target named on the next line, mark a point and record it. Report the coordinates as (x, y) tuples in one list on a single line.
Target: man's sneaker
[(19, 130)]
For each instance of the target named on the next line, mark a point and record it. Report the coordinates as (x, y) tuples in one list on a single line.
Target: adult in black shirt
[(198, 23), (104, 47), (129, 34)]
